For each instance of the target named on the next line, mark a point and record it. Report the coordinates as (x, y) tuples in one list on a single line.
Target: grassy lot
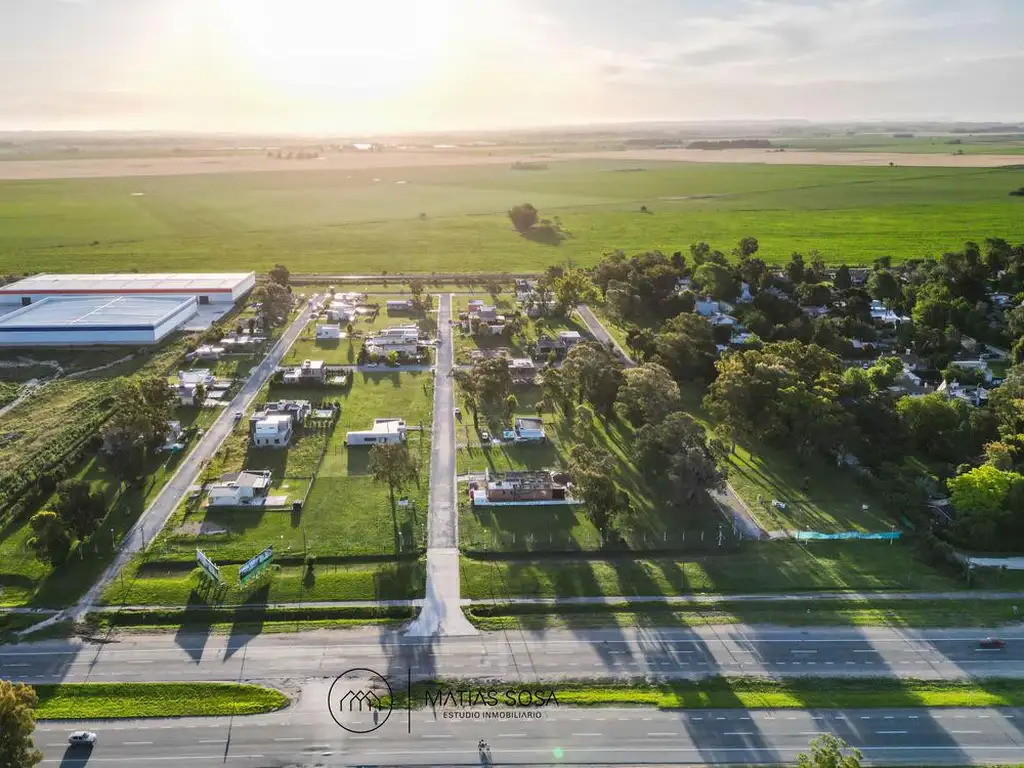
[(763, 693), (346, 514), (758, 567), (345, 221), (556, 528), (346, 351), (885, 142), (817, 613), (94, 701), (171, 584), (520, 346)]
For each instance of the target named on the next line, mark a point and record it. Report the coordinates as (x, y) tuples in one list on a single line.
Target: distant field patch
[(454, 217)]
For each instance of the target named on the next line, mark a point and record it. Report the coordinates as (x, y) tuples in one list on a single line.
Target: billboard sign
[(208, 566), (255, 565)]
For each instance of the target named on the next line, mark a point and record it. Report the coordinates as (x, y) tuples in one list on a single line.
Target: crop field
[(992, 144), (423, 219)]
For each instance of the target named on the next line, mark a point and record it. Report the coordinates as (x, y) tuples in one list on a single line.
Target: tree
[(493, 287), (275, 304), (595, 374), (936, 425), (80, 510), (883, 285), (674, 455), (842, 281), (49, 539), (828, 751), (686, 348), (640, 342), (467, 383), (416, 287), (717, 281), (593, 471), (523, 217), (573, 288), (391, 464), (280, 275), (648, 395), (795, 268), (558, 392), (814, 294), (746, 248), (143, 405), (511, 403), (17, 722), (492, 382)]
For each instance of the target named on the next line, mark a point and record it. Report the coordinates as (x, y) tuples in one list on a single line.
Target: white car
[(371, 365), (82, 737)]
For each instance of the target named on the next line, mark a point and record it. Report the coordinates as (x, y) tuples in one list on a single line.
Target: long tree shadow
[(249, 620)]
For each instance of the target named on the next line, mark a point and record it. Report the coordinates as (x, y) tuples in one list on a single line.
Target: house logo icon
[(359, 700)]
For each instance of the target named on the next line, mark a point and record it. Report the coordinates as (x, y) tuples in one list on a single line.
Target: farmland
[(364, 221)]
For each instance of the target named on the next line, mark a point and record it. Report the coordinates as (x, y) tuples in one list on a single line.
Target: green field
[(981, 144), (758, 567), (346, 222), (875, 612)]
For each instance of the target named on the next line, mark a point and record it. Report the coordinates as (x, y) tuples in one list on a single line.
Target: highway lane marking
[(964, 733), (662, 733), (892, 733), (738, 733), (436, 736), (587, 735), (289, 738), (212, 741), (510, 735), (800, 651), (137, 743)]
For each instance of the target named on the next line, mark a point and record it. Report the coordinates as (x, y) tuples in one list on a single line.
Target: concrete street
[(551, 655), (441, 613), (163, 506), (306, 735)]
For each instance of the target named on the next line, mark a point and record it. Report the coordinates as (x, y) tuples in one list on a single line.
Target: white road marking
[(892, 733)]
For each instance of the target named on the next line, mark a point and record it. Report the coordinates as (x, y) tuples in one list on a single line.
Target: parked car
[(82, 737), (992, 643), (238, 415), (458, 413)]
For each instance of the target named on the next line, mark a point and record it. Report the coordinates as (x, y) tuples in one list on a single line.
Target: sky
[(340, 66)]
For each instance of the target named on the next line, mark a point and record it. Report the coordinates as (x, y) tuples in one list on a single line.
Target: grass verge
[(92, 701), (251, 620), (759, 693), (818, 613)]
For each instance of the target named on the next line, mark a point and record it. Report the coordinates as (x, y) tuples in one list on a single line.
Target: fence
[(495, 542)]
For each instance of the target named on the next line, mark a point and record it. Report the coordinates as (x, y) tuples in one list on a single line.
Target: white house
[(239, 490), (969, 393), (721, 319), (272, 431), (207, 352), (706, 307), (328, 332), (529, 429), (309, 371), (880, 313), (570, 338), (975, 365), (189, 382), (388, 430)]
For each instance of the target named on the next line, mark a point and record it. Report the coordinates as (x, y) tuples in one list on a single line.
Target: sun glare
[(322, 49)]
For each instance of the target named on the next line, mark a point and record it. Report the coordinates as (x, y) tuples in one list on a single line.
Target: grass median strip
[(745, 693), (93, 701)]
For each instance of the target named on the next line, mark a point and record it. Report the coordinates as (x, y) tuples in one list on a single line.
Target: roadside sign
[(255, 565), (208, 566)]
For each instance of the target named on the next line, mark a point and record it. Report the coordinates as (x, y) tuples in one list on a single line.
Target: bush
[(1018, 192)]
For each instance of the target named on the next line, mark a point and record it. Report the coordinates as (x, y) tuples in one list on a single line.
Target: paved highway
[(668, 653), (306, 735)]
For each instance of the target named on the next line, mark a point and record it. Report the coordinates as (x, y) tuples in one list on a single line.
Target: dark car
[(485, 436), (992, 643)]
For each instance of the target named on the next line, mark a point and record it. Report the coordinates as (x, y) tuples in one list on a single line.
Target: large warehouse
[(59, 321), (212, 288)]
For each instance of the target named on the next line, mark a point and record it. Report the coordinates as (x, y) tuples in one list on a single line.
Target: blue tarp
[(848, 535)]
